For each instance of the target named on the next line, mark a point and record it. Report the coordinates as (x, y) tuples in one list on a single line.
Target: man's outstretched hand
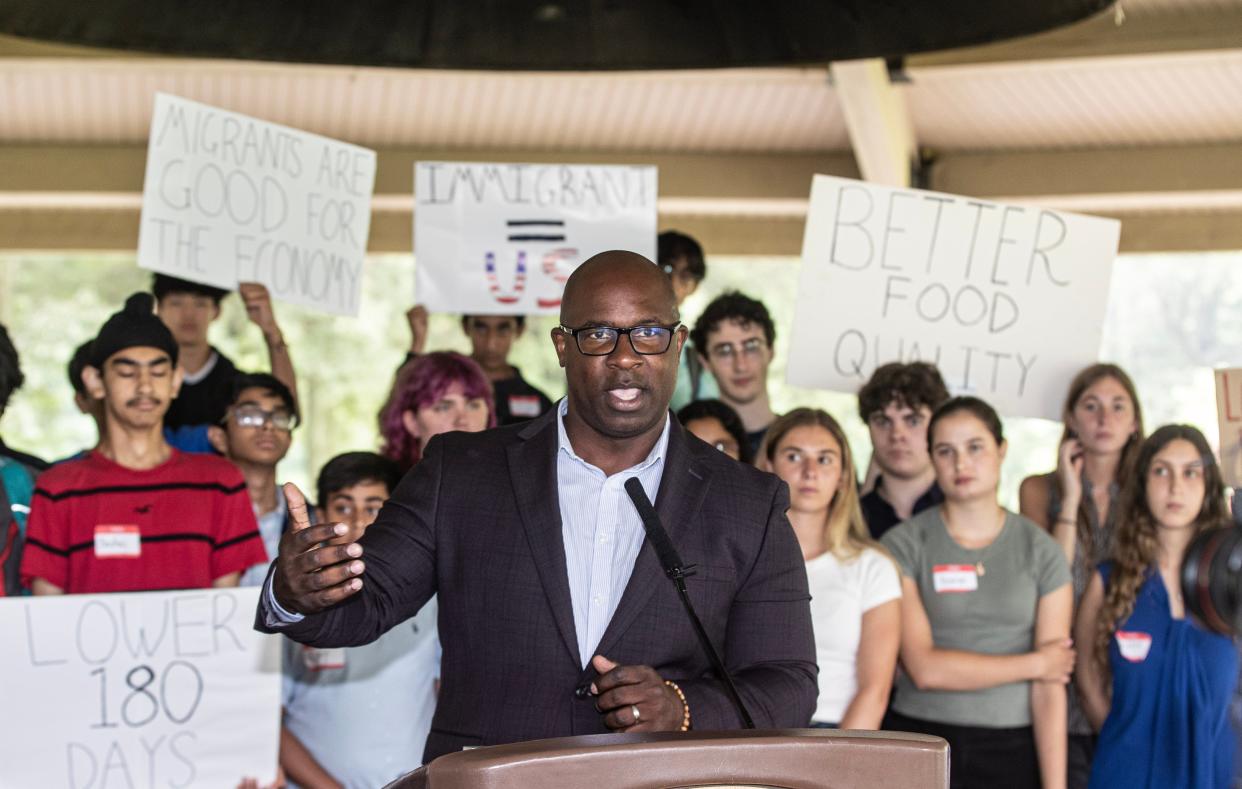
[(622, 688), (319, 565)]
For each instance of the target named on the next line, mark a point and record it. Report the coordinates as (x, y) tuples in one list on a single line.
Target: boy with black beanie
[(135, 514)]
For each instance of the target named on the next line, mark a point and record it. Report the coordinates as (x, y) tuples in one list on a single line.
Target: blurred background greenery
[(1171, 319)]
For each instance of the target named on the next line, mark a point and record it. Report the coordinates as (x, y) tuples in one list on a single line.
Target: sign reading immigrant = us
[(1007, 300), (138, 690), (501, 239), (229, 199)]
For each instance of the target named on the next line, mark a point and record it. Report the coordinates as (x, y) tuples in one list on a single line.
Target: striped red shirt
[(96, 526)]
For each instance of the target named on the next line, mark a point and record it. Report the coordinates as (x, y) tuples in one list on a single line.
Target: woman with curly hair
[(1076, 503), (855, 589), (433, 394), (1156, 684)]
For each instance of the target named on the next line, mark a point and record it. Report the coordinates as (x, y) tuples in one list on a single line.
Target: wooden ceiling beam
[(1169, 198)]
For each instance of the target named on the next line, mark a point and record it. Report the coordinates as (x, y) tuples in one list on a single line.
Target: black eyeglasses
[(602, 340)]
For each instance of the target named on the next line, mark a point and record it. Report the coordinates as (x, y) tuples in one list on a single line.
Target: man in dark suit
[(555, 619)]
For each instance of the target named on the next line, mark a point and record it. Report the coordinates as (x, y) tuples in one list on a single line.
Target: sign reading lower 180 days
[(502, 239), (146, 690), (230, 199), (1007, 300)]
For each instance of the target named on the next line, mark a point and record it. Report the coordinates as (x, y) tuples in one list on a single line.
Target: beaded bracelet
[(685, 705)]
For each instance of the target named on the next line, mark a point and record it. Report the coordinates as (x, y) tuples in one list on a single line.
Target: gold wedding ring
[(637, 716)]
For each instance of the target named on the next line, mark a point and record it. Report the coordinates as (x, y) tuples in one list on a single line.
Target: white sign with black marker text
[(501, 239), (1007, 300), (145, 690), (1229, 419), (230, 199)]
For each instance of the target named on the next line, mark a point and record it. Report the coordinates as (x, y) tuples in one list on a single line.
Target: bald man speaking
[(546, 582)]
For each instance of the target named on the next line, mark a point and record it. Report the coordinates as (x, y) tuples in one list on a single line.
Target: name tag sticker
[(114, 541), (954, 578), (524, 406), (323, 659), (1133, 645)]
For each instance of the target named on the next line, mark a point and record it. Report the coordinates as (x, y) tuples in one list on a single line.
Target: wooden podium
[(786, 758)]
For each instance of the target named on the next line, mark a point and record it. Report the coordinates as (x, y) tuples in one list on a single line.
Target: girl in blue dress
[(1156, 684)]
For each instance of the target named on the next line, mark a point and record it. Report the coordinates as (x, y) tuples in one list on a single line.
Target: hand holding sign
[(318, 565), (258, 303), (417, 317)]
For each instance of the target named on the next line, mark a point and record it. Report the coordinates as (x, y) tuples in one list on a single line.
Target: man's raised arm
[(325, 590)]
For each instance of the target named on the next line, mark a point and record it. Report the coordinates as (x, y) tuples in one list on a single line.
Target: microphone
[(677, 573)]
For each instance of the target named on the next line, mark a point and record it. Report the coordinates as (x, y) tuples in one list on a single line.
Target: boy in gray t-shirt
[(981, 601)]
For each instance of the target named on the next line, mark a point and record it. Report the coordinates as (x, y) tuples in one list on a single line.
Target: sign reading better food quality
[(501, 239), (1008, 301), (230, 199), (154, 689)]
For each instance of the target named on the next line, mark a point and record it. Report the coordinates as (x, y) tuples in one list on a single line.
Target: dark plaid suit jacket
[(478, 523)]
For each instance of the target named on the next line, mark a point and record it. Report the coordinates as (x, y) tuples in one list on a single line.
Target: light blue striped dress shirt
[(601, 530)]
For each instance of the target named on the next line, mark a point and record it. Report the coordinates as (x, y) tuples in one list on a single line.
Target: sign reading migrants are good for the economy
[(1008, 301), (145, 690), (230, 199), (502, 239)]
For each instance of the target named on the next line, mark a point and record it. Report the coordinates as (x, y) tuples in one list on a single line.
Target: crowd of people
[(1050, 647)]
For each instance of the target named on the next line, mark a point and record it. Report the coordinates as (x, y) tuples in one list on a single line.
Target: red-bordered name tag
[(323, 659), (1133, 645), (524, 406), (117, 541), (954, 578)]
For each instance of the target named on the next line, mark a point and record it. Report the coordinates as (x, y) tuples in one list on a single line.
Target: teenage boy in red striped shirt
[(135, 514)]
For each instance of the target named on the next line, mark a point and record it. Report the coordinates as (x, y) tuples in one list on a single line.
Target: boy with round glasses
[(255, 434), (734, 339)]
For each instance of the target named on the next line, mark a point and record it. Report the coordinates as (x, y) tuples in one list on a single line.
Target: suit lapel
[(532, 468), (682, 488)]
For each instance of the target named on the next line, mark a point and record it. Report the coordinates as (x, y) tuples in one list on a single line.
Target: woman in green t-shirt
[(986, 607)]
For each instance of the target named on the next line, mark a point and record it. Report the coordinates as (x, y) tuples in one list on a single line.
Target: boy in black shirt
[(491, 339), (188, 309), (897, 404)]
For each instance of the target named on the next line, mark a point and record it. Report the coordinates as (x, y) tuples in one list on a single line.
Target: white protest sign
[(1229, 417), (1007, 300), (230, 199), (154, 689), (502, 239)]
